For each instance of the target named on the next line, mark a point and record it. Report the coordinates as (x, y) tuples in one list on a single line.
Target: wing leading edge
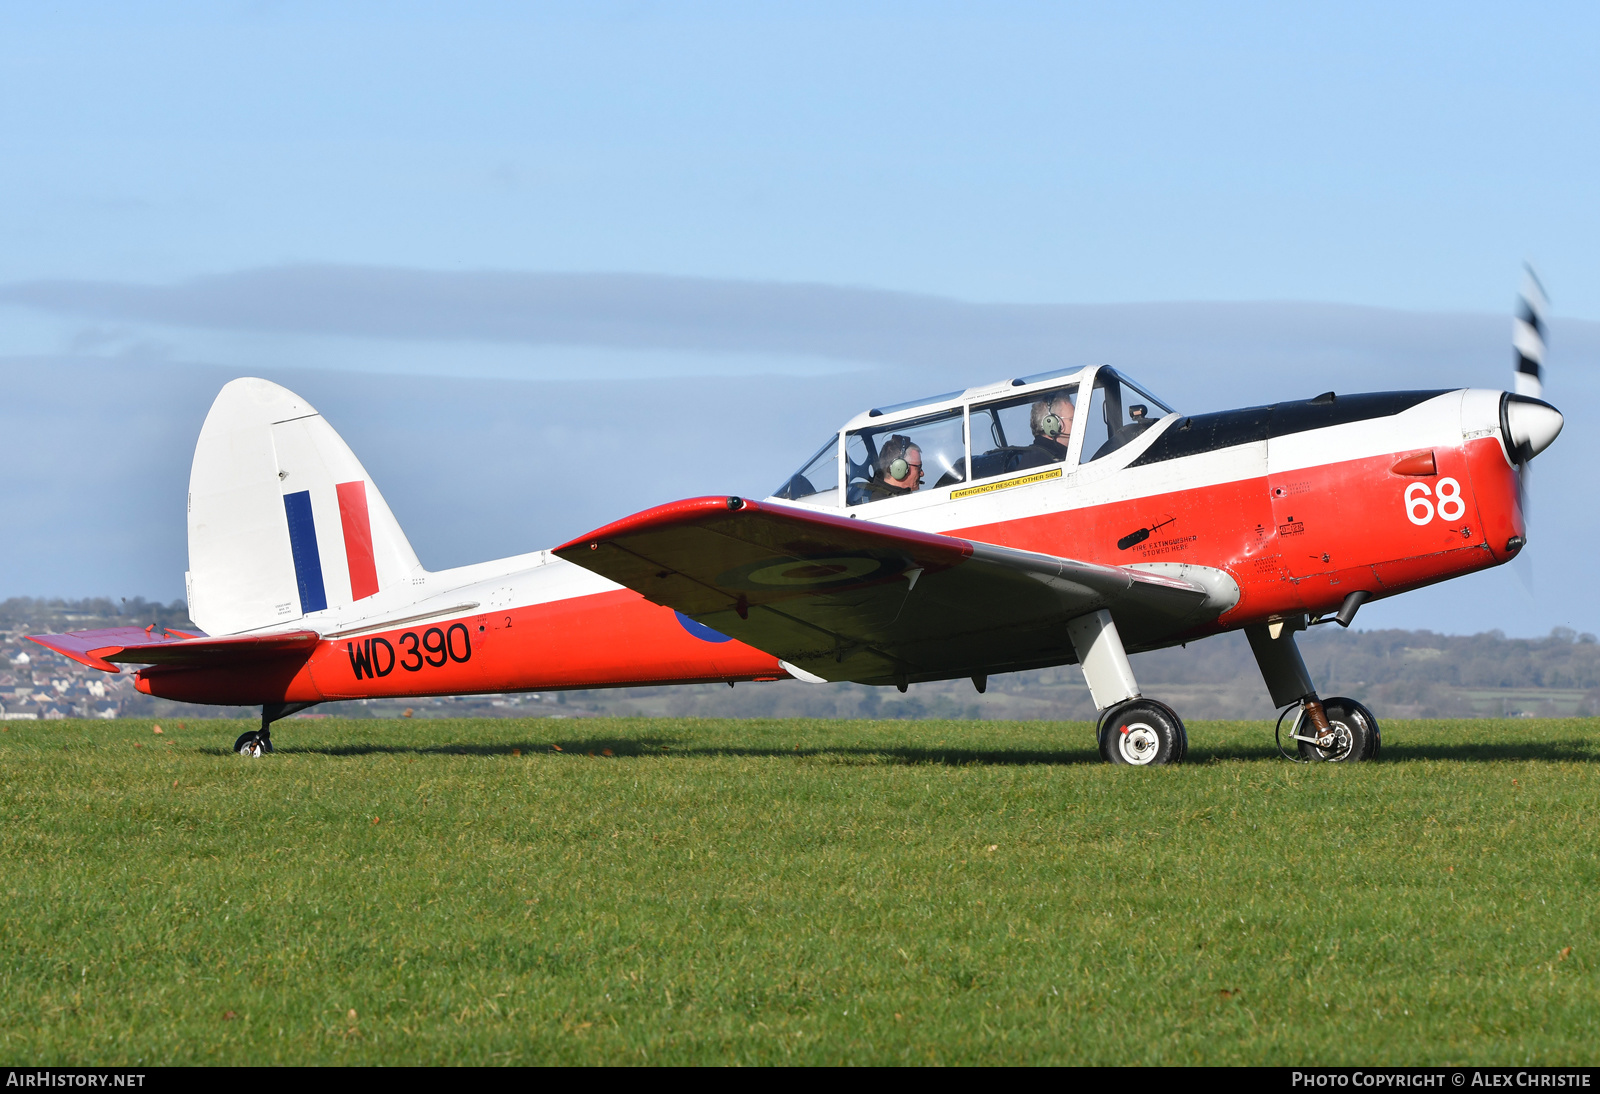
[(853, 600)]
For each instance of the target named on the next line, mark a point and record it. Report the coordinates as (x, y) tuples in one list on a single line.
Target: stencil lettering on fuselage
[(433, 648)]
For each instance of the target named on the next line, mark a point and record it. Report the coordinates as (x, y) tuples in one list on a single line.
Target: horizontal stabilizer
[(155, 646)]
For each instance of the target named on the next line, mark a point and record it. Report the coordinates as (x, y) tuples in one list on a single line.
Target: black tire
[(1358, 736), (1142, 733), (1375, 742), (245, 740)]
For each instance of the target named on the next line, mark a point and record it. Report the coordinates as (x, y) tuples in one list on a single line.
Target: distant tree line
[(55, 615), (1562, 659), (1405, 673)]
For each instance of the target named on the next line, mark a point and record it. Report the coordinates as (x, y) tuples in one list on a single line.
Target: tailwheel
[(1142, 733), (249, 744), (1353, 734)]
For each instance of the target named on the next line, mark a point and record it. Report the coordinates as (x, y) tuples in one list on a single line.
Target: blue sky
[(192, 192), (1398, 155)]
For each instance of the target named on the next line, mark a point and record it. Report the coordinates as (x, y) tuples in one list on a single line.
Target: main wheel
[(1356, 735), (1142, 733), (248, 744)]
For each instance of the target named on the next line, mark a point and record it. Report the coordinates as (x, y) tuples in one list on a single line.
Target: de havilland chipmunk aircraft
[(1066, 517)]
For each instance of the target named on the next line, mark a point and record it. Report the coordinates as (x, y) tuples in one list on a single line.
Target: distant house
[(54, 715), (22, 658)]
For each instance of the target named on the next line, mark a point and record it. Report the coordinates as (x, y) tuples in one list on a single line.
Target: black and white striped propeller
[(1529, 423), (1527, 336)]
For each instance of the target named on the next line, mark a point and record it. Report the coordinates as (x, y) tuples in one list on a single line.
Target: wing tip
[(660, 516)]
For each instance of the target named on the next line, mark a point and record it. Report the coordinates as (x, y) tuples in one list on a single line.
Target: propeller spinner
[(1530, 424)]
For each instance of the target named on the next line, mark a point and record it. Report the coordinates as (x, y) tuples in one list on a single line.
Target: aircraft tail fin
[(284, 522)]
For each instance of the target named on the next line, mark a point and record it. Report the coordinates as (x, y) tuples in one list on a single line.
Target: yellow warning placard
[(1006, 484)]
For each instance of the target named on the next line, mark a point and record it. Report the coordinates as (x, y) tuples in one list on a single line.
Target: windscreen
[(1119, 411), (816, 483)]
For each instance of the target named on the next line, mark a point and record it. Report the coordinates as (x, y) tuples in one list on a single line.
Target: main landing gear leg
[(1335, 730), (259, 741), (1132, 729)]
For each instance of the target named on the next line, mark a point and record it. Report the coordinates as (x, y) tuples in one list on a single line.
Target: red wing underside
[(153, 646), (852, 600)]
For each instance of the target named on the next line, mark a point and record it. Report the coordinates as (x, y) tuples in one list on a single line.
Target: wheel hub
[(1337, 742), (1138, 743)]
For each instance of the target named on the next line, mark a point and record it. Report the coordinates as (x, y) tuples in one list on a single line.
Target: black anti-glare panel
[(1227, 428)]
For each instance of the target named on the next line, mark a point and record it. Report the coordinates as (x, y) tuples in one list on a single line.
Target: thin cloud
[(647, 312)]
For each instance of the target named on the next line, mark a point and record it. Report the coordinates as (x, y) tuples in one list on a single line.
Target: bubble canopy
[(928, 446)]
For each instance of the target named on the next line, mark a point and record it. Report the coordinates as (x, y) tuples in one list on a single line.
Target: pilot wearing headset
[(1051, 421), (899, 466)]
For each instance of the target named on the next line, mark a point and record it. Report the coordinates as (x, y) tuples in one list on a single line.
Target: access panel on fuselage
[(1342, 525)]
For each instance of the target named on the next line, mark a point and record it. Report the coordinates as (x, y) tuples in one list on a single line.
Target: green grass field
[(664, 891)]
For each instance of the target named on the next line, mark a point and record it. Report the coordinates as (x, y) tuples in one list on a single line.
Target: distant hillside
[(1400, 674), (54, 616), (1397, 673)]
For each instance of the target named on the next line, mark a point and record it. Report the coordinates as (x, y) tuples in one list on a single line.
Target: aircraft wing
[(854, 600), (155, 646)]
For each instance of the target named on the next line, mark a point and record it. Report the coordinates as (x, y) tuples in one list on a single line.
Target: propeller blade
[(1527, 336), (1524, 488), (1532, 426), (1522, 564)]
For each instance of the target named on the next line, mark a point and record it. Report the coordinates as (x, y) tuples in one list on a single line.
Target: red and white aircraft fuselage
[(1063, 518)]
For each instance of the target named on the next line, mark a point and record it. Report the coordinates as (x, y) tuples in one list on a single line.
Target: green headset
[(899, 467), (1051, 426)]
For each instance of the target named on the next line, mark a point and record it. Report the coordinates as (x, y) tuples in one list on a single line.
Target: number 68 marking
[(1419, 510)]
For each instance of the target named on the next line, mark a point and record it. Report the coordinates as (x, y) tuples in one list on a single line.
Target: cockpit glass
[(899, 459), (1119, 411), (1010, 433), (1018, 433), (817, 483)]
